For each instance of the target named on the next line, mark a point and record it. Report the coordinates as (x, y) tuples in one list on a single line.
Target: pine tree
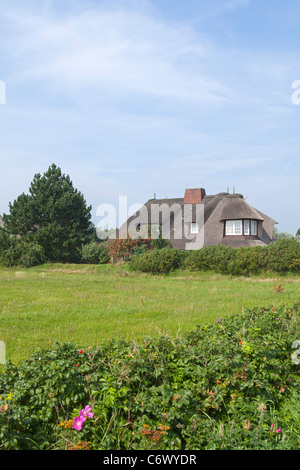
[(54, 214)]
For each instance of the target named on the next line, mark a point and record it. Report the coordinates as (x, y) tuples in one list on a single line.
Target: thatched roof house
[(198, 220)]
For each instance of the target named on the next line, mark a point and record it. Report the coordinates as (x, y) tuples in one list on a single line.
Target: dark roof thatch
[(235, 207), (175, 202)]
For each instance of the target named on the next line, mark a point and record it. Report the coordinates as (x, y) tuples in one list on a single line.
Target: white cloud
[(113, 51)]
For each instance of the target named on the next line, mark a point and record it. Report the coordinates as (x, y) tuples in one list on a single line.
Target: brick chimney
[(194, 196)]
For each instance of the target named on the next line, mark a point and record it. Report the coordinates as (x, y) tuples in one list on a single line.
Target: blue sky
[(132, 98)]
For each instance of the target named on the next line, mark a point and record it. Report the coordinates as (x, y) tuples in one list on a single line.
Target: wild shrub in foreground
[(228, 385)]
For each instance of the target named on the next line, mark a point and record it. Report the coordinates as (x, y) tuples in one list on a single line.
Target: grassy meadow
[(89, 304)]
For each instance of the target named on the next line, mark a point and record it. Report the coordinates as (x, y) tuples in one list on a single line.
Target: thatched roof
[(235, 207)]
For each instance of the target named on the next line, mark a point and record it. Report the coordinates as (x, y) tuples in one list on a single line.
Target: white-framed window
[(229, 227), (237, 227), (246, 227), (194, 227), (253, 227), (233, 227), (241, 227)]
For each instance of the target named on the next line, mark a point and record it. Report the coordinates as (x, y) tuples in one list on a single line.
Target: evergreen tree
[(54, 214)]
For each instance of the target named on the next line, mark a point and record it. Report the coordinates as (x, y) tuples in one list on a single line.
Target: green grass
[(89, 304)]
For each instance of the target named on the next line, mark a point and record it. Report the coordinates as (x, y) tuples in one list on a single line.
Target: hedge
[(281, 256), (161, 260)]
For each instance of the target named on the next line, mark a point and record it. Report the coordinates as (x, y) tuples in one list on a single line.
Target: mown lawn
[(89, 304)]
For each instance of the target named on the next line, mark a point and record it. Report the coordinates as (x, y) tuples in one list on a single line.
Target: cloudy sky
[(136, 97)]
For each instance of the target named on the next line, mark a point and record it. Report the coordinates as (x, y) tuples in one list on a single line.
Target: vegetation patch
[(160, 261), (282, 256), (229, 385)]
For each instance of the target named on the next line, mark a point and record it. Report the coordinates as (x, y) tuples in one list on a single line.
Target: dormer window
[(241, 227)]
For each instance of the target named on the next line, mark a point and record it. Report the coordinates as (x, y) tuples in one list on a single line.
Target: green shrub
[(295, 265), (212, 258), (11, 255), (161, 260), (22, 253), (248, 260), (32, 255), (159, 243), (103, 254), (228, 385), (90, 253), (281, 256), (94, 253)]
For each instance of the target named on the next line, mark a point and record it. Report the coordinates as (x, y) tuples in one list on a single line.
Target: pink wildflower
[(86, 412), (78, 422), (272, 428)]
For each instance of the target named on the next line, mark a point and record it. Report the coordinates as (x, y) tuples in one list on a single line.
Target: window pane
[(253, 227), (229, 227), (237, 227), (246, 227)]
